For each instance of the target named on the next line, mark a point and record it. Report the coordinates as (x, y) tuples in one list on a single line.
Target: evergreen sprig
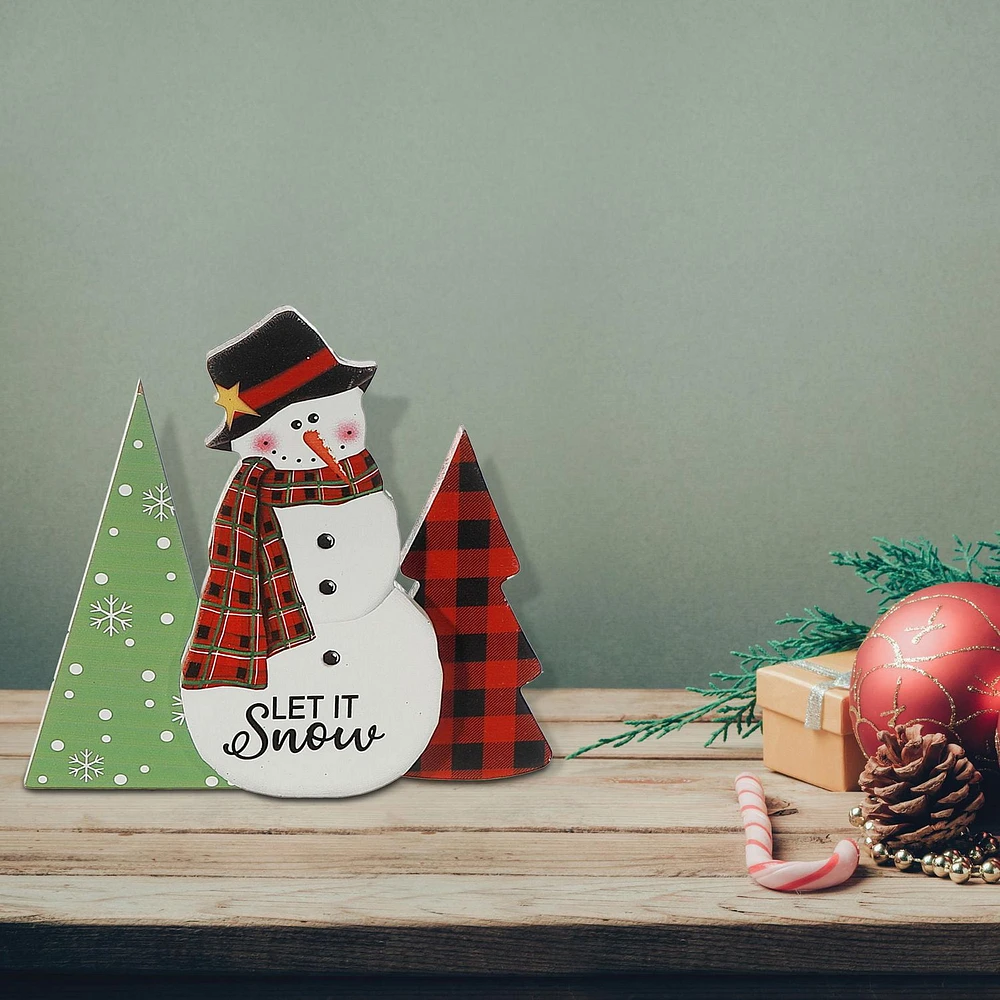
[(899, 569), (732, 697), (904, 567)]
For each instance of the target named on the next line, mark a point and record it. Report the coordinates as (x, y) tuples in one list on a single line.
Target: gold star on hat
[(229, 400)]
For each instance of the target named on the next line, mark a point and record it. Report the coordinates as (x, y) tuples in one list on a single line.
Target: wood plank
[(630, 859), (397, 852), (596, 986), (574, 795), (549, 704), (685, 744), (609, 704), (614, 986), (491, 924), (21, 705), (17, 739)]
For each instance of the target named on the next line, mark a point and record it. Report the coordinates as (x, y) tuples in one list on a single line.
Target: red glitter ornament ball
[(933, 658)]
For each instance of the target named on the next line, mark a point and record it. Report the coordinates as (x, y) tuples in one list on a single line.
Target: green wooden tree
[(114, 717)]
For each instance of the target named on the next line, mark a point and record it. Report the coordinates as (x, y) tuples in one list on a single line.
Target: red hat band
[(262, 395)]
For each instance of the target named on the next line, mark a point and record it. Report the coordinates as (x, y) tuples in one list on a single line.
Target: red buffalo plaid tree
[(460, 557)]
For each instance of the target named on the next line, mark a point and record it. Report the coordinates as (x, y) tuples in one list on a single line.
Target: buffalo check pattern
[(250, 607), (460, 556)]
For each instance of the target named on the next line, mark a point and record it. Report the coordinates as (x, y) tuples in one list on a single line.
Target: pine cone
[(921, 789)]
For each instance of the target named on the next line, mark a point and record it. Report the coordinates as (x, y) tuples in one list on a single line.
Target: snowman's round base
[(328, 729)]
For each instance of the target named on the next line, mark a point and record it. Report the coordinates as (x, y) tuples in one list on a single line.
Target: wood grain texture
[(568, 796), (630, 862), (398, 852), (614, 986), (564, 737)]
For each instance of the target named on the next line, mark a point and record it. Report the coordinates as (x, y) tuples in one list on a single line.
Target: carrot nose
[(315, 442)]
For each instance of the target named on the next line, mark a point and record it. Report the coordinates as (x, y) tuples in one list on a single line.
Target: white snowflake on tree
[(114, 618), (178, 711), (86, 765), (157, 502)]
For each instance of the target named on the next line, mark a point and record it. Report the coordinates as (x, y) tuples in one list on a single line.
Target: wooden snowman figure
[(309, 671)]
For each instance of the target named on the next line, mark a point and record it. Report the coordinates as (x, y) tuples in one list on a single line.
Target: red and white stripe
[(787, 876)]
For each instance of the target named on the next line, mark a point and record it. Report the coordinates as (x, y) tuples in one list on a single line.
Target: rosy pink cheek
[(348, 431), (264, 443)]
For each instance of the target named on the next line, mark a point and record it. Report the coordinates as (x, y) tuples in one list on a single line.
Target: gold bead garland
[(963, 858)]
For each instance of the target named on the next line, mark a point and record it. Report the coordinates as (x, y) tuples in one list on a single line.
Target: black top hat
[(281, 360)]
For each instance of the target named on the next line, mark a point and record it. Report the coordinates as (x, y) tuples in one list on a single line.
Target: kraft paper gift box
[(807, 724)]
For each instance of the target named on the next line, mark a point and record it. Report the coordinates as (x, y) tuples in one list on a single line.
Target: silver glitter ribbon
[(834, 679)]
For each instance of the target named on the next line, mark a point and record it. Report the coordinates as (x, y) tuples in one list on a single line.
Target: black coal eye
[(313, 417), (296, 424)]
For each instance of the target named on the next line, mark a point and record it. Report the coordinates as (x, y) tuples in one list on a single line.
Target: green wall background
[(712, 285)]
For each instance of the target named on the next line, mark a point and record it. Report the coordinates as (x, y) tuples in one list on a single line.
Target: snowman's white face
[(304, 435)]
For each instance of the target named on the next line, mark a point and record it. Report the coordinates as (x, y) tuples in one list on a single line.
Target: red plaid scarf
[(250, 607)]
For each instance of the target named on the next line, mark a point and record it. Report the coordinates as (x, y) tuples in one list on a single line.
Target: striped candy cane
[(788, 876)]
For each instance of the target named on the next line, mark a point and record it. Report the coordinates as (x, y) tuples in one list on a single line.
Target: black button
[(331, 657), (325, 541), (327, 587)]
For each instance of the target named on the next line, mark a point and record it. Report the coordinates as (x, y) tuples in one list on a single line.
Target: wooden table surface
[(624, 863)]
